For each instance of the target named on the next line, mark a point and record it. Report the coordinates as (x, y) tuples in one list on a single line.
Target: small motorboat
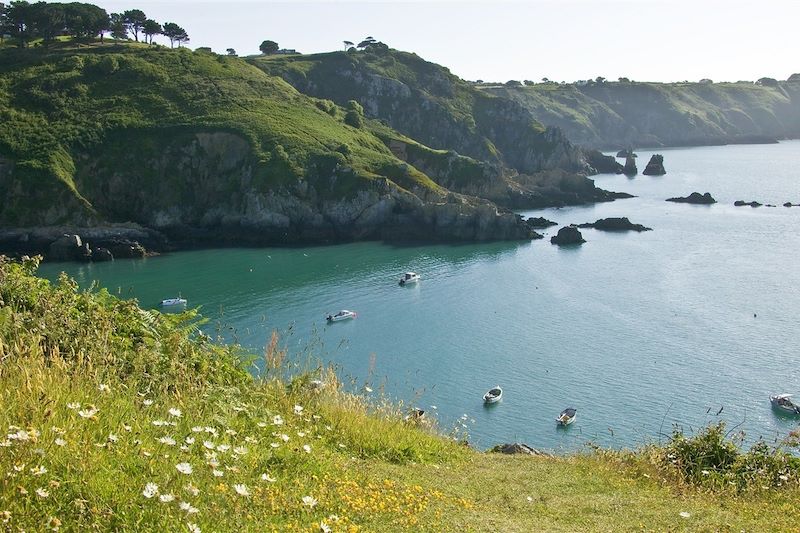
[(567, 416), (493, 395), (783, 404), (172, 302), (408, 278), (344, 314), (414, 415)]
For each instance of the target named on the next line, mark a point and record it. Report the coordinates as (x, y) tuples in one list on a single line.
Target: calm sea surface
[(637, 331)]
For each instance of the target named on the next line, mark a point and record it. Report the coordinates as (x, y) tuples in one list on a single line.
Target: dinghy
[(493, 395), (344, 314), (567, 416)]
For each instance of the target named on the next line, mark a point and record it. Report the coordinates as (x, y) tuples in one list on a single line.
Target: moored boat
[(408, 278), (783, 404), (493, 395), (170, 302), (344, 314), (567, 416)]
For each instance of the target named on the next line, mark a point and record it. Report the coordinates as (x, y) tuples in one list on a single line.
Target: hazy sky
[(655, 40)]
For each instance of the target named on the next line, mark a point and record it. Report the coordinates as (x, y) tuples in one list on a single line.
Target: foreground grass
[(102, 427)]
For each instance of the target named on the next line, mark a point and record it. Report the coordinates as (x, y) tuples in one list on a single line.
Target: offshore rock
[(694, 198), (540, 223), (741, 203), (567, 235), (630, 166), (615, 224), (603, 164), (655, 167)]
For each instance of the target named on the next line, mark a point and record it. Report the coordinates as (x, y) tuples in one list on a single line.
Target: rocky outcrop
[(655, 167), (602, 164), (790, 204), (71, 243), (742, 203), (630, 166), (567, 235), (694, 198), (69, 248), (100, 255), (615, 224), (540, 223), (518, 449)]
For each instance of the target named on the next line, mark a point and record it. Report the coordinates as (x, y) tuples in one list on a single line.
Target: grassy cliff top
[(117, 418)]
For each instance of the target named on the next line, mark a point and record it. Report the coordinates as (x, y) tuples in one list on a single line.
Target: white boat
[(567, 416), (493, 395), (408, 278), (344, 314), (170, 302), (783, 403)]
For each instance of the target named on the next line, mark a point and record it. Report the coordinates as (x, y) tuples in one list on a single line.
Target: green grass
[(98, 398)]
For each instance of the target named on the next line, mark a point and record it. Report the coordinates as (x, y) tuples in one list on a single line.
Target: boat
[(171, 302), (567, 416), (344, 314), (783, 404), (408, 278), (493, 395)]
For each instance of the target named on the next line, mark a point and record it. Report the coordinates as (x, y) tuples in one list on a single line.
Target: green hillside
[(614, 115), (117, 418)]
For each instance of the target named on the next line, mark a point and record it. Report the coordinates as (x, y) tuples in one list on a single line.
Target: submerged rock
[(517, 448), (567, 235), (615, 224), (741, 203), (694, 198), (655, 167)]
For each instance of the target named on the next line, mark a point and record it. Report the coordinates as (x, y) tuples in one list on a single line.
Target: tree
[(175, 34), (85, 20), (365, 43), (134, 20), (355, 114), (231, 52), (347, 45), (599, 79), (46, 21), (18, 22), (151, 28), (268, 47), (117, 27)]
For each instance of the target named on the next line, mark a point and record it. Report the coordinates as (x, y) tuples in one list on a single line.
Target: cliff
[(613, 115)]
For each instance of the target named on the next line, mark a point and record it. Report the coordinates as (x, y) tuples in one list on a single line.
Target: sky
[(563, 40)]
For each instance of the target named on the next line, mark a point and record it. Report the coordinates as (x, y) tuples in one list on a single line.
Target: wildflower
[(208, 444), (147, 403), (306, 448), (112, 437), (55, 484), (38, 471), (705, 472), (5, 516), (189, 440), (20, 435), (193, 528), (218, 473), (184, 468), (169, 441), (301, 434), (42, 493), (127, 428), (186, 506), (316, 417), (223, 448), (210, 430), (241, 489), (150, 490), (334, 518), (53, 524), (5, 443), (684, 514), (266, 477), (19, 467), (309, 501), (184, 448), (230, 432), (274, 445), (160, 423), (197, 429), (783, 477), (250, 440), (166, 498), (530, 499), (324, 528), (285, 437), (191, 489), (262, 424), (277, 420), (146, 453), (103, 388), (240, 450), (173, 411), (74, 406), (298, 409)]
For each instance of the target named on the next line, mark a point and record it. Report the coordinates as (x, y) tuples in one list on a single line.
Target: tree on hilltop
[(268, 47), (18, 22), (117, 27), (134, 20), (175, 34), (84, 20), (365, 43), (231, 52), (150, 29), (347, 45), (46, 21)]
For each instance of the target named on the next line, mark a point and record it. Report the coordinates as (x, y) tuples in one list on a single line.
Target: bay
[(639, 332)]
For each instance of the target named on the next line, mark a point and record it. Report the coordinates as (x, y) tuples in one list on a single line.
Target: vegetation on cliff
[(119, 418)]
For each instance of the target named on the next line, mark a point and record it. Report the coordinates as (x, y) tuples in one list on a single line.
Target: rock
[(741, 203), (539, 223), (602, 164), (102, 254), (615, 224), (125, 249), (567, 235), (655, 167), (694, 198), (69, 247), (517, 448), (790, 204), (626, 153), (630, 166)]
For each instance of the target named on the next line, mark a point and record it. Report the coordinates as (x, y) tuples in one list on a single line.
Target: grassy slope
[(612, 113), (59, 104), (366, 468)]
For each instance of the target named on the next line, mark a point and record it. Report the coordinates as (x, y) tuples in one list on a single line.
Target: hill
[(615, 115), (118, 418)]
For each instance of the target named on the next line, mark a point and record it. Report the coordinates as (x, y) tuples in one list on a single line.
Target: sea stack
[(567, 235), (655, 167), (630, 165)]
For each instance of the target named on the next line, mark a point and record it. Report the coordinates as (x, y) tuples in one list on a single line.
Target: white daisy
[(218, 473), (191, 489), (42, 493), (38, 471), (147, 403), (175, 412), (193, 528), (306, 448), (324, 528), (269, 479), (208, 444), (112, 437), (160, 423), (166, 498), (103, 388), (185, 506), (223, 448), (274, 444), (277, 420), (285, 437), (169, 441), (189, 440), (150, 490), (60, 442), (89, 412), (184, 468), (298, 409), (197, 429), (74, 406), (309, 501), (241, 489)]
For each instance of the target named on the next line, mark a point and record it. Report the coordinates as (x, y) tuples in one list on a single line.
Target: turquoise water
[(637, 331)]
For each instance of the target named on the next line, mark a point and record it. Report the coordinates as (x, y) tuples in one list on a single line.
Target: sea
[(676, 328)]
